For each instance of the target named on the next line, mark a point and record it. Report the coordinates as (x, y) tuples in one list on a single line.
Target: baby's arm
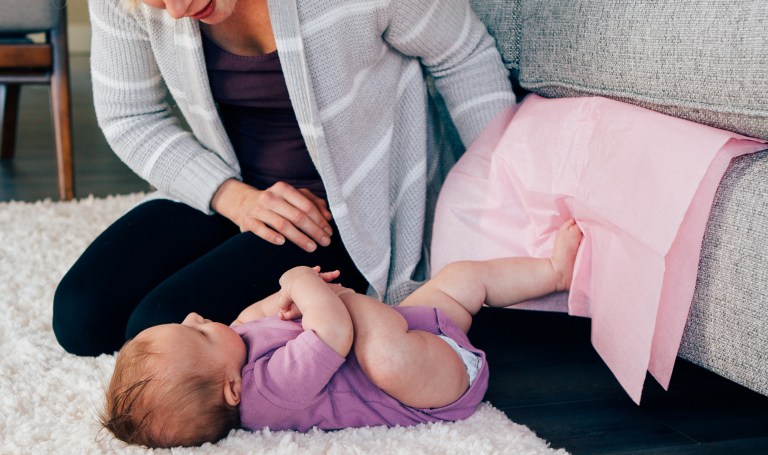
[(270, 306), (265, 307), (321, 308)]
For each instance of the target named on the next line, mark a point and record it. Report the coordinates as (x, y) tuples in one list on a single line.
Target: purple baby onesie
[(294, 381)]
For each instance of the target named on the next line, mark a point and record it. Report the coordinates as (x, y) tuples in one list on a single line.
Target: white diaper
[(471, 361)]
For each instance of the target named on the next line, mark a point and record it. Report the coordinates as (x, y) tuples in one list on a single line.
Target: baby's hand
[(339, 289), (297, 272), (287, 279), (288, 310), (327, 276), (249, 314), (306, 292)]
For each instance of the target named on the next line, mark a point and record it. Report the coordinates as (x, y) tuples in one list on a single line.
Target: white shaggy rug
[(49, 399)]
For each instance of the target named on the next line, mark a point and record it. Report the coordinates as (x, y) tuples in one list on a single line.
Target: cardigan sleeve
[(455, 48), (130, 102)]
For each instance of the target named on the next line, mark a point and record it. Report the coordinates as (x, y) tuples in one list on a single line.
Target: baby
[(349, 361)]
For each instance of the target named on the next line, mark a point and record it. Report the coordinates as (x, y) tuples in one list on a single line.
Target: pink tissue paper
[(640, 185)]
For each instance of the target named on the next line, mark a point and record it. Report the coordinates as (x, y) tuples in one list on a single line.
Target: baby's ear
[(232, 391)]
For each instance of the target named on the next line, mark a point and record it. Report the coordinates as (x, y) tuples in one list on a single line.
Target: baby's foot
[(564, 254)]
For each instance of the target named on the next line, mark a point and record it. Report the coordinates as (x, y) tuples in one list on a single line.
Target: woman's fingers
[(321, 205), (307, 204), (283, 213), (276, 229), (300, 211), (258, 227)]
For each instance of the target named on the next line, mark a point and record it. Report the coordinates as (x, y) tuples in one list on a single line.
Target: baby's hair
[(146, 409), (125, 392)]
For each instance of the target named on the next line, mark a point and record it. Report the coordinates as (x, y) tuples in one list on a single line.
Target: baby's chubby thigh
[(414, 366), (417, 368)]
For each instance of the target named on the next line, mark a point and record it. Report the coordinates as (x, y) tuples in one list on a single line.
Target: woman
[(311, 141)]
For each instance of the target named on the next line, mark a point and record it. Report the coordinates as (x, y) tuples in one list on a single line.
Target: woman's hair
[(131, 4), (148, 402)]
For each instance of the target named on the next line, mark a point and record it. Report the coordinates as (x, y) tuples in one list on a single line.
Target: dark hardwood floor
[(546, 375), (31, 174), (544, 372)]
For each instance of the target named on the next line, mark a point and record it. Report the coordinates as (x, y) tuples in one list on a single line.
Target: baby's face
[(208, 342)]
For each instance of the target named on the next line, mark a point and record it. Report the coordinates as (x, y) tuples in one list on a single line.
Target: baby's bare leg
[(461, 288), (415, 367)]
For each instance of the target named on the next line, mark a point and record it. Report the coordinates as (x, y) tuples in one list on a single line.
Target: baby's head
[(176, 385)]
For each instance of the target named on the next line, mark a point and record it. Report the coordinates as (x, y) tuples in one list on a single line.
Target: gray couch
[(702, 60)]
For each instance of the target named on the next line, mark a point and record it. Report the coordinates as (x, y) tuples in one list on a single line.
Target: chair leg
[(61, 107), (9, 100), (62, 126)]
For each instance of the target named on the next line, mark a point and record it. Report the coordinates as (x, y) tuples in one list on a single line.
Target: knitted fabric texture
[(354, 71), (727, 329), (701, 60)]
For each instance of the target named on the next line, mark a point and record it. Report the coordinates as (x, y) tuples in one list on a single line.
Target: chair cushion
[(28, 16), (703, 60), (15, 39)]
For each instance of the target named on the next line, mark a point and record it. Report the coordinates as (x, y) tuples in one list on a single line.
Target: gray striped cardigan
[(355, 74)]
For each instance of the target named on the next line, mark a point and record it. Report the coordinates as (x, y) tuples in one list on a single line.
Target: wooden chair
[(25, 62)]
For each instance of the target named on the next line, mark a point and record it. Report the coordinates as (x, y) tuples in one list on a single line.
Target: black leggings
[(163, 260)]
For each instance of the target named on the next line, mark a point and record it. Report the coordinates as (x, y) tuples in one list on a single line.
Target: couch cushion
[(502, 19), (727, 330), (703, 60)]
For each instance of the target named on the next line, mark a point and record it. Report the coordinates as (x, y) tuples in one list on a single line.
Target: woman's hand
[(278, 213)]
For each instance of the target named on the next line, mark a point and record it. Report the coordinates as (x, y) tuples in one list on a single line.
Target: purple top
[(258, 116), (294, 381)]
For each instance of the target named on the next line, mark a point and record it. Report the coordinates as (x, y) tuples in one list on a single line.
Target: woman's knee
[(85, 323), (149, 313)]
